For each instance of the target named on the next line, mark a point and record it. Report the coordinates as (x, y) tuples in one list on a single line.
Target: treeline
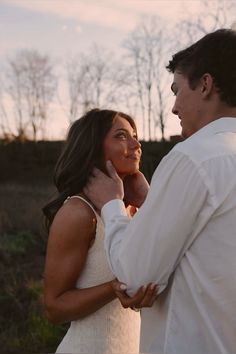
[(33, 162)]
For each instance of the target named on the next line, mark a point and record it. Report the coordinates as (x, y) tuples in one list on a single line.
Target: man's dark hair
[(215, 54)]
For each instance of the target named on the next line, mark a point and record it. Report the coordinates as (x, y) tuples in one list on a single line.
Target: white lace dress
[(111, 329)]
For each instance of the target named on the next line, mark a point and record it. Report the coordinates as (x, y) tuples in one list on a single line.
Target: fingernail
[(123, 287), (144, 287), (152, 286)]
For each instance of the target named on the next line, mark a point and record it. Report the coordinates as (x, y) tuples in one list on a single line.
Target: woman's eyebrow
[(121, 129), (125, 130)]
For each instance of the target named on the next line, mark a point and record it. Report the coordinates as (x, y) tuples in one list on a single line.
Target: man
[(184, 235)]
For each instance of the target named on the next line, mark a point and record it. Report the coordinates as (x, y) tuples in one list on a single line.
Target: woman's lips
[(133, 157)]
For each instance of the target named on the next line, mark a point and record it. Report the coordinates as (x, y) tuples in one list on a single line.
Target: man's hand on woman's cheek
[(102, 188)]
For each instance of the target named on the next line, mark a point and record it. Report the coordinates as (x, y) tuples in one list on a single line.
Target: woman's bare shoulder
[(75, 217)]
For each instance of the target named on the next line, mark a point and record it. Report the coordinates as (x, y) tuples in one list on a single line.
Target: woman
[(79, 285)]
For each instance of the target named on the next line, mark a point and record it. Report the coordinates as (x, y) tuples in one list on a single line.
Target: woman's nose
[(135, 144)]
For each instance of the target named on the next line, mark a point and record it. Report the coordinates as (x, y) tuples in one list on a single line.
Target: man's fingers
[(96, 172), (111, 170), (96, 176)]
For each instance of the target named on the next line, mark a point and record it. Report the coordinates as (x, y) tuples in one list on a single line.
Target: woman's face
[(122, 148)]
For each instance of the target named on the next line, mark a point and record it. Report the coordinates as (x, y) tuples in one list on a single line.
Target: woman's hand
[(144, 297)]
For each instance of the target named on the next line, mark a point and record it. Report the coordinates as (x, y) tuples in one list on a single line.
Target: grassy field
[(29, 167), (23, 328)]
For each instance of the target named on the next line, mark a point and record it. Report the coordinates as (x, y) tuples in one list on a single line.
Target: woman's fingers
[(144, 297), (150, 295), (126, 300)]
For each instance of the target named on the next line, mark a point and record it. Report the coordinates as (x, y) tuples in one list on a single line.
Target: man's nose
[(175, 110)]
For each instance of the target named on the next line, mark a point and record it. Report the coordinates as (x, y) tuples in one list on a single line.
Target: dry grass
[(22, 251), (20, 207)]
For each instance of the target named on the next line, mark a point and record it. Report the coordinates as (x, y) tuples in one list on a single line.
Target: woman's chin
[(127, 172), (126, 169)]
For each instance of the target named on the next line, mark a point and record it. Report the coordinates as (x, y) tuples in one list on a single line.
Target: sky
[(61, 26), (65, 27)]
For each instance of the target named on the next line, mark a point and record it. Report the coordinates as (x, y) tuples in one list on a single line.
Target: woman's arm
[(70, 237)]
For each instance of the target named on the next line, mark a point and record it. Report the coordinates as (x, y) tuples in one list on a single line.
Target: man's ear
[(207, 84)]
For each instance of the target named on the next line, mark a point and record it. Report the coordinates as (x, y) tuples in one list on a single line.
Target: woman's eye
[(121, 135)]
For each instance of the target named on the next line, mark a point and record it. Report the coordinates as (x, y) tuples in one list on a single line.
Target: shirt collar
[(224, 124)]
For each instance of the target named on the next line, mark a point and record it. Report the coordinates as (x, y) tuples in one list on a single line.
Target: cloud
[(78, 29), (101, 13), (122, 15)]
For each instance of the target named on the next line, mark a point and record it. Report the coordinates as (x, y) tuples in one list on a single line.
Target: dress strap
[(79, 197)]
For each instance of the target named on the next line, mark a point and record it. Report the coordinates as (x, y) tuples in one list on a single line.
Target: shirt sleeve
[(148, 247)]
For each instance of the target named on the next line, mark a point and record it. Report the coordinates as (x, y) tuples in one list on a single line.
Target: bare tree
[(4, 122), (146, 48), (31, 86), (76, 73), (93, 80), (213, 15)]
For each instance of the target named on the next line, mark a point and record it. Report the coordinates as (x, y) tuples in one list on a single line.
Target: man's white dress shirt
[(184, 239)]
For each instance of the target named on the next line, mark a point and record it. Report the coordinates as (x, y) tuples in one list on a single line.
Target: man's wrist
[(112, 208)]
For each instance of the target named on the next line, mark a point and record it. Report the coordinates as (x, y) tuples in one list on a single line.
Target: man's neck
[(226, 111)]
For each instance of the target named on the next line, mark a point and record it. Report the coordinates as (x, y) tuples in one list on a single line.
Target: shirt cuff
[(113, 208)]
